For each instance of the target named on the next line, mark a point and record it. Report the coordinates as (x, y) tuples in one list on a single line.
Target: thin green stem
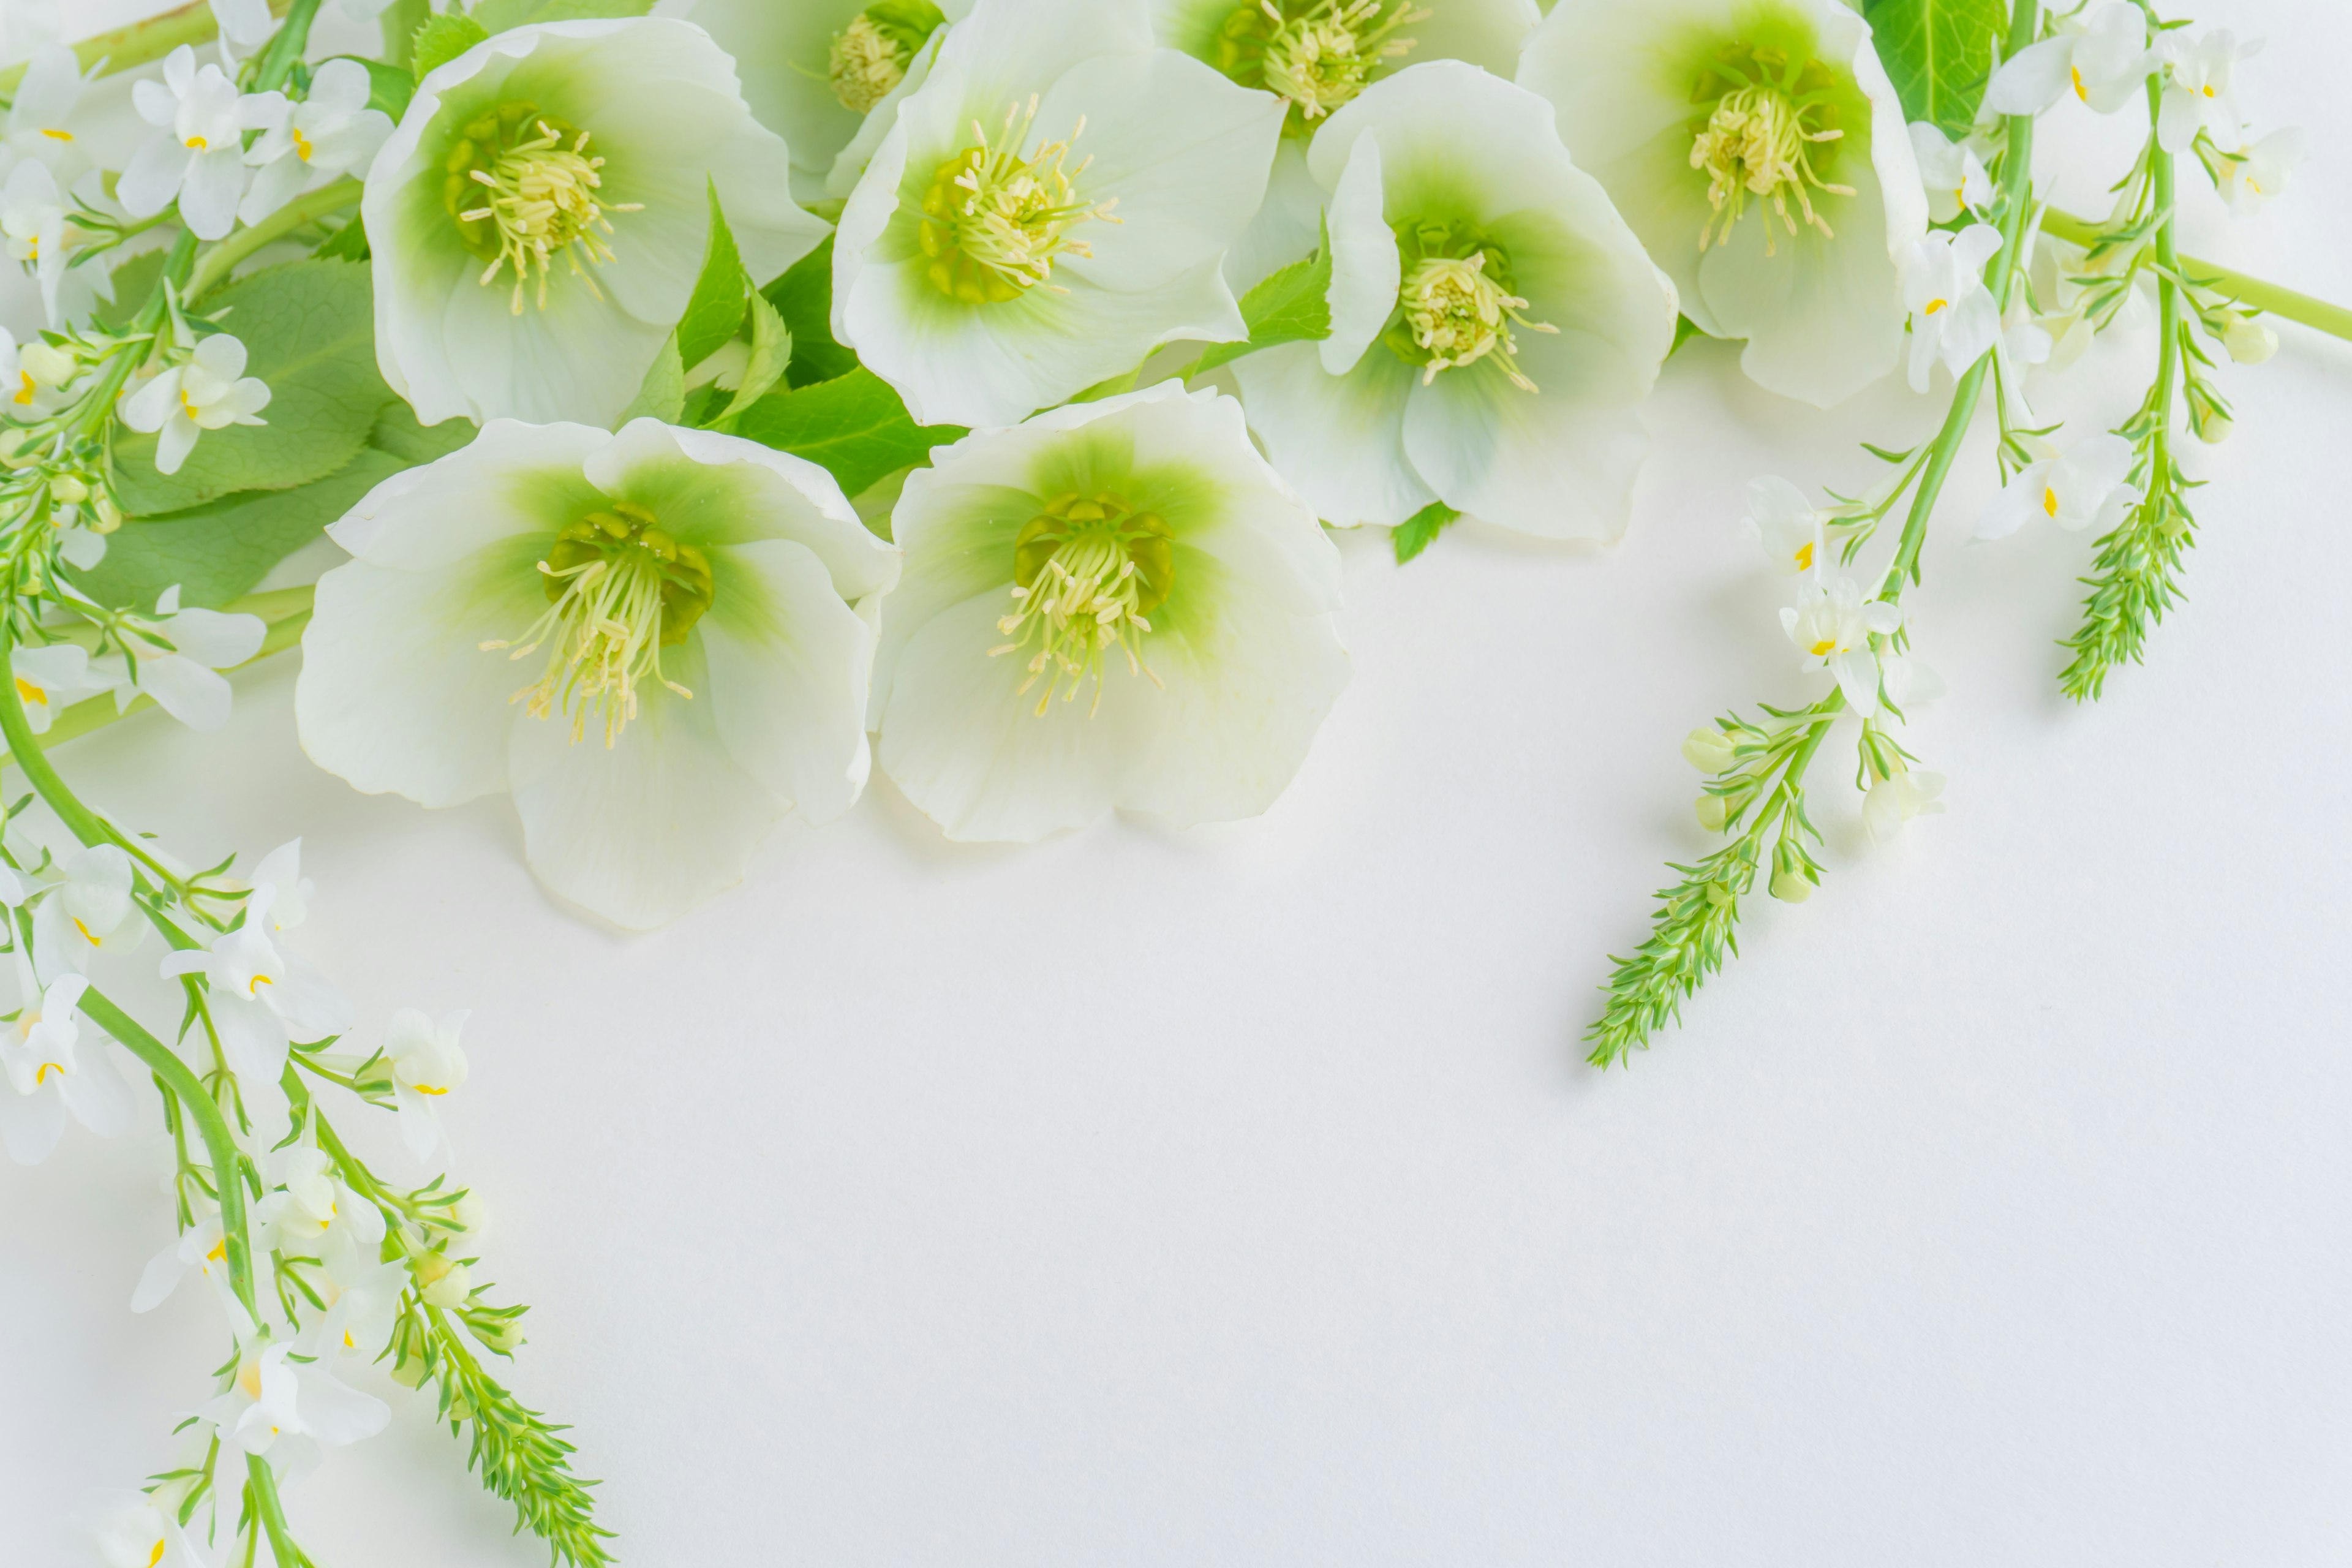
[(401, 20), (271, 1512), (126, 48), (285, 45), (2335, 321), (217, 263)]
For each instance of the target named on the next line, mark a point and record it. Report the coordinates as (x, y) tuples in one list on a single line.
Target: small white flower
[(1953, 317), (244, 24), (40, 119), (209, 392), (33, 380), (273, 1397), (2247, 341), (261, 998), (131, 1532), (1789, 526), (1832, 625), (2199, 94), (1897, 798), (363, 1299), (280, 872), (175, 657), (1115, 605), (427, 1062), (2262, 171), (49, 679), (202, 1246), (1908, 682), (2087, 486), (1952, 171), (197, 155), (327, 134), (309, 1210), (33, 227), (2102, 62), (90, 912), (52, 1072)]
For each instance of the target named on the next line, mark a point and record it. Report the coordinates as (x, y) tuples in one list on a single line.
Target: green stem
[(272, 1512), (214, 269), (286, 46), (401, 20), (126, 48), (2336, 320)]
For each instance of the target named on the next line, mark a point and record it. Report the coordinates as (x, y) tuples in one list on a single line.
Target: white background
[(1239, 1196)]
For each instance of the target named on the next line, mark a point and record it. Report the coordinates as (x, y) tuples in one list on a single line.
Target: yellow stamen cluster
[(866, 64), (1458, 315), (994, 221), (1758, 141), (619, 591), (1322, 60), (543, 202), (1087, 572)]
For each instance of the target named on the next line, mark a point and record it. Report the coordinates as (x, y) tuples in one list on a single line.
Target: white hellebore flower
[(89, 912), (1789, 526), (1953, 317), (196, 157), (1118, 604), (1897, 798), (1952, 171), (694, 666), (1054, 203), (2102, 62), (49, 679), (327, 134), (1494, 321), (2262, 171), (52, 1071), (1831, 626), (828, 74), (540, 215), (176, 657), (272, 1397), (2088, 486), (427, 1062), (1316, 56), (2198, 95), (209, 392), (1758, 149), (131, 1532)]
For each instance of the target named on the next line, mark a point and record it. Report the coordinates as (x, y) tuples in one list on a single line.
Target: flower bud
[(1707, 749), (1791, 886), (441, 1282), (2210, 426), (1713, 812), (470, 1214), (2248, 342), (69, 490), (108, 516), (499, 1331)]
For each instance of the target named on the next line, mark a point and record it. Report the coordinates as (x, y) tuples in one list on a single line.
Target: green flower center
[(1458, 304), (870, 56), (1316, 54), (619, 591), (993, 222), (1086, 572), (524, 189), (1769, 115)]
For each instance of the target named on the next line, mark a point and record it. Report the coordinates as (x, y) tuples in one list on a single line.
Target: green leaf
[(497, 15), (1684, 330), (217, 551), (804, 298), (771, 349), (853, 426), (134, 282), (349, 243), (715, 313), (309, 331), (398, 432), (1419, 531), (389, 87), (1289, 307), (663, 396), (442, 39), (1939, 55)]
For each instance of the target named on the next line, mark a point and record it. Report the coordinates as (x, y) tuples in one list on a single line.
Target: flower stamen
[(1459, 313), (1087, 572), (1321, 60), (1758, 141), (995, 222), (542, 200)]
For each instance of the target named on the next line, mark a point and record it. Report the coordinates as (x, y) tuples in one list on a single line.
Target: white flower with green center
[(813, 70), (1054, 204), (1116, 605), (1316, 56), (1494, 321), (1759, 150), (540, 215), (653, 639)]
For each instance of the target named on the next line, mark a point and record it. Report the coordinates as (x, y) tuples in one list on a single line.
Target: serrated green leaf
[(804, 298), (1289, 307), (442, 39), (497, 15), (1938, 53), (217, 551), (771, 351), (854, 425), (714, 312), (308, 333), (663, 396), (1419, 531)]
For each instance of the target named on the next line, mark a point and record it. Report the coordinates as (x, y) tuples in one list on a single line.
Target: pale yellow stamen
[(995, 222), (543, 203), (865, 63), (1458, 315), (1088, 573), (1756, 143), (1322, 61)]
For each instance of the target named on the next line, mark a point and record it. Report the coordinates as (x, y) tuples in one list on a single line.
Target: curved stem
[(125, 49), (2336, 320), (214, 269)]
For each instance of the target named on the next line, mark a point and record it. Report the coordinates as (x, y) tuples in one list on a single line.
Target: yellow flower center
[(32, 693), (2080, 91), (619, 590), (1935, 306), (1825, 647), (302, 147), (1805, 556), (1086, 572), (56, 133), (1459, 313), (524, 189), (1319, 58), (156, 1555), (994, 221), (866, 64), (1758, 141), (2048, 501)]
